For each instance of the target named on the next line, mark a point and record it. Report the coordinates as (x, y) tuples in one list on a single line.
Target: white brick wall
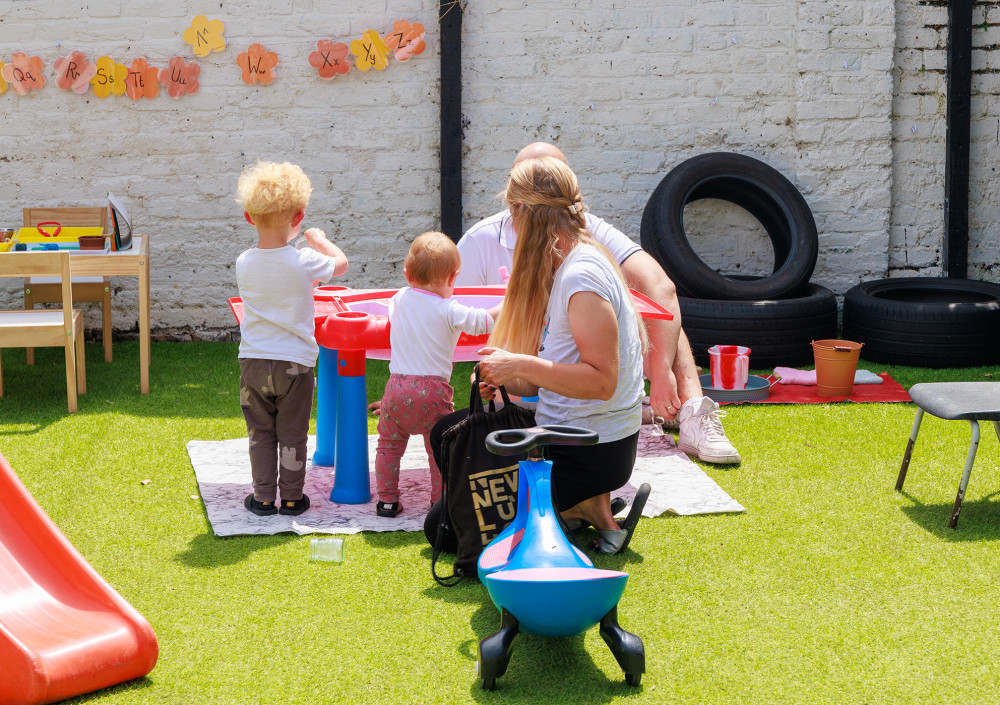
[(628, 89), (919, 112)]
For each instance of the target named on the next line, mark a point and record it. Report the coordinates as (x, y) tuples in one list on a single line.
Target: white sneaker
[(701, 432)]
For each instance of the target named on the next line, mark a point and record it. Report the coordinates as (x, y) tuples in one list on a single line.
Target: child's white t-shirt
[(276, 286), (424, 329)]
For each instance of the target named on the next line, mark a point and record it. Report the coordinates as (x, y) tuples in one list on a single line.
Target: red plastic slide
[(63, 630)]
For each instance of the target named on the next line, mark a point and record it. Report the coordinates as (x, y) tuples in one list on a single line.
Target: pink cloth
[(790, 375)]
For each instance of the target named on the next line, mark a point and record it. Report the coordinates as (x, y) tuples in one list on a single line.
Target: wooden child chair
[(48, 327), (46, 291)]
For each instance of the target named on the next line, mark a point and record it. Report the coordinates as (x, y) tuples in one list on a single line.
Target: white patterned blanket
[(222, 469)]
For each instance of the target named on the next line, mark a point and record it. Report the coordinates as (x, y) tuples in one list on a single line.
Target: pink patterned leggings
[(411, 405)]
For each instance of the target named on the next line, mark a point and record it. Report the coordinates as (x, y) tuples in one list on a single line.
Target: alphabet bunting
[(24, 73), (110, 77), (107, 77), (75, 72), (405, 39), (180, 77), (205, 35), (330, 59), (371, 51), (142, 81), (258, 64)]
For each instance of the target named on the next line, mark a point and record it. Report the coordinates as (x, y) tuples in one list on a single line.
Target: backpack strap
[(455, 578)]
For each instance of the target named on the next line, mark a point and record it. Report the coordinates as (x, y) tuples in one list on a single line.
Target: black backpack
[(479, 496)]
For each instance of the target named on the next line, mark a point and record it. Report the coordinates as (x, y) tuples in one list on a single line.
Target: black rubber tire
[(489, 683), (755, 187), (925, 322), (633, 679), (777, 331)]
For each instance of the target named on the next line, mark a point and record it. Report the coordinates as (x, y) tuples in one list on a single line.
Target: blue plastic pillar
[(351, 483), (326, 408)]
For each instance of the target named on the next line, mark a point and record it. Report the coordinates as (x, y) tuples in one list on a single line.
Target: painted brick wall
[(919, 112), (627, 89)]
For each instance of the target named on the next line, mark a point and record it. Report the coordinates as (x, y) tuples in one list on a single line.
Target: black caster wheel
[(633, 678), (489, 683)]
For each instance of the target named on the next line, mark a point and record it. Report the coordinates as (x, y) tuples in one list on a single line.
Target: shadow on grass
[(137, 685), (545, 669), (470, 590), (979, 520), (189, 380), (541, 669), (211, 551), (389, 540), (193, 380)]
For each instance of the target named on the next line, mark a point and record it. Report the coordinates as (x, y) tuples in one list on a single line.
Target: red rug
[(890, 390)]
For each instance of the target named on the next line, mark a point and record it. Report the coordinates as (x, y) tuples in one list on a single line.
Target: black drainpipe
[(956, 169), (450, 21)]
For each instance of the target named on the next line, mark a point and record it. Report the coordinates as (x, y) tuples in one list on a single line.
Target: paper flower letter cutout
[(330, 58), (180, 77), (205, 35), (75, 72), (3, 81), (24, 73), (142, 80), (405, 39), (110, 78), (371, 51), (258, 64)]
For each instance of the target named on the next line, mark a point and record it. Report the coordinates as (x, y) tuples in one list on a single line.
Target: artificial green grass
[(830, 588)]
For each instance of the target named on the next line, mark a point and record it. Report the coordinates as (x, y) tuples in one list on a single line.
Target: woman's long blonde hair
[(545, 203)]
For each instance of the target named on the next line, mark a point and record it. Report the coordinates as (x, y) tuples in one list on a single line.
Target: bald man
[(487, 250)]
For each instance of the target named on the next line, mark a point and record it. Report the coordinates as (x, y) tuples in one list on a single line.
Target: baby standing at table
[(424, 327), (278, 348)]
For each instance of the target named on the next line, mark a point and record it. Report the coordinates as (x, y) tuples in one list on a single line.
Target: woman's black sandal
[(617, 504), (617, 541)]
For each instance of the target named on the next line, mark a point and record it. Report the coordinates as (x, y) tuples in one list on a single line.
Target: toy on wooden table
[(53, 236), (539, 581)]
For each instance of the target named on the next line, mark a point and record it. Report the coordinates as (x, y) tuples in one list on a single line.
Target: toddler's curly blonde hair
[(273, 193)]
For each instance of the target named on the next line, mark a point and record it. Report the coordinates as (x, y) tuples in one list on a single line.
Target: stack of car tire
[(925, 322), (776, 316), (920, 321)]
